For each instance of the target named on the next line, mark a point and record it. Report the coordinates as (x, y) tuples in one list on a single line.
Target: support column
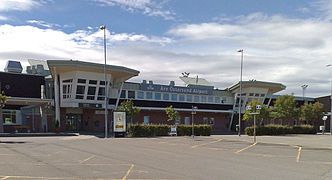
[(57, 97)]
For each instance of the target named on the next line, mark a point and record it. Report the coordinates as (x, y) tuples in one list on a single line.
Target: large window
[(123, 94), (140, 95), (203, 99), (182, 97), (157, 96), (131, 94), (189, 98), (9, 116), (148, 95), (81, 81), (210, 99), (80, 92), (101, 93), (166, 96), (217, 100), (67, 88), (196, 98), (174, 97), (91, 93)]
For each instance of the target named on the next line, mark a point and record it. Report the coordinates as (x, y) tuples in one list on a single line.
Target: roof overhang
[(272, 87), (119, 73), (28, 101)]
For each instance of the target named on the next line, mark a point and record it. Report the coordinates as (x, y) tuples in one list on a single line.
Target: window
[(189, 98), (93, 82), (203, 99), (196, 98), (131, 94), (166, 96), (91, 93), (187, 120), (251, 94), (157, 96), (210, 99), (256, 95), (68, 81), (146, 119), (262, 95), (123, 94), (217, 100), (205, 120), (9, 116), (102, 83), (174, 97), (148, 95), (80, 92), (101, 93), (211, 122), (66, 91), (140, 95), (181, 97), (81, 81)]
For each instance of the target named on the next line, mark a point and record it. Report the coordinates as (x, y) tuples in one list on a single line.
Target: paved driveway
[(215, 157)]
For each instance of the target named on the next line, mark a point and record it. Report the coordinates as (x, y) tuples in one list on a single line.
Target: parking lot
[(215, 157)]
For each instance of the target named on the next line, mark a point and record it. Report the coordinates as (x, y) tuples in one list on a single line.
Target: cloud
[(19, 5), (147, 7), (324, 7), (43, 23), (3, 18)]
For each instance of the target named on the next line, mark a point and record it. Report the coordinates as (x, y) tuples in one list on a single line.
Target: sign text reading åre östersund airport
[(175, 89)]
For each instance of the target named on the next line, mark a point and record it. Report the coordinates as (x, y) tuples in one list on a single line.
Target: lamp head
[(241, 50), (102, 27)]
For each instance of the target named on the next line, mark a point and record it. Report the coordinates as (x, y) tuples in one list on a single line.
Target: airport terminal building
[(69, 96)]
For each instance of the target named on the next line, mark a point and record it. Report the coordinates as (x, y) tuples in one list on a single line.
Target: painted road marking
[(298, 154), (126, 175), (195, 146), (246, 148), (87, 159)]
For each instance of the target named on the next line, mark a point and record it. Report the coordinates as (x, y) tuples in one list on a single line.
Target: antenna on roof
[(185, 74)]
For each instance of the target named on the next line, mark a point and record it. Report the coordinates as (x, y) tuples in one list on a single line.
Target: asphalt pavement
[(214, 157)]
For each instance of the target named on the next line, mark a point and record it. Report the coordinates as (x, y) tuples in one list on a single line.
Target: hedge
[(280, 130), (152, 130)]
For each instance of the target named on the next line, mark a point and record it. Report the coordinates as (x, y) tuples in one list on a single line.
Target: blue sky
[(284, 41)]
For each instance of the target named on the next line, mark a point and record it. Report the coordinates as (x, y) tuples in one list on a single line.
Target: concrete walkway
[(308, 141)]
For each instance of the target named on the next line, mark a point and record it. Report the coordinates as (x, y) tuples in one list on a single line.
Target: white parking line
[(246, 148), (298, 154), (195, 146)]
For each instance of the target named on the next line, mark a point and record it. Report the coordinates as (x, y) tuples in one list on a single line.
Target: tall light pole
[(330, 65), (103, 27), (304, 87), (240, 100)]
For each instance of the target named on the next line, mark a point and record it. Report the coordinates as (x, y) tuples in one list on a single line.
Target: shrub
[(280, 130), (152, 130)]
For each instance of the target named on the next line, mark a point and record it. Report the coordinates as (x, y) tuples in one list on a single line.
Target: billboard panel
[(119, 121)]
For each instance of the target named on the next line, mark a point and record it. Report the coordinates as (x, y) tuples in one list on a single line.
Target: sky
[(288, 42)]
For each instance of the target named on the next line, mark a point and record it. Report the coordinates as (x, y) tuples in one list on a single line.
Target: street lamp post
[(193, 112), (240, 98), (304, 87), (103, 27), (330, 65), (255, 112)]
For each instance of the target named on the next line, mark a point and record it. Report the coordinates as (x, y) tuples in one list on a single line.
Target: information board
[(119, 121)]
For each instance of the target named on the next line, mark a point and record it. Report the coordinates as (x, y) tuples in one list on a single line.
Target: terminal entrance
[(73, 122)]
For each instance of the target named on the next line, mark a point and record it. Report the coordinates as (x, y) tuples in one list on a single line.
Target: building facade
[(71, 96)]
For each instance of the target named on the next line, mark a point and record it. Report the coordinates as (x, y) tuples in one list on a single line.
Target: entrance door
[(73, 122)]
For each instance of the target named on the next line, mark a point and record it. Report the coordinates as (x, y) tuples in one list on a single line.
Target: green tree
[(264, 112), (312, 112), (285, 109), (3, 100), (128, 107), (171, 113)]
